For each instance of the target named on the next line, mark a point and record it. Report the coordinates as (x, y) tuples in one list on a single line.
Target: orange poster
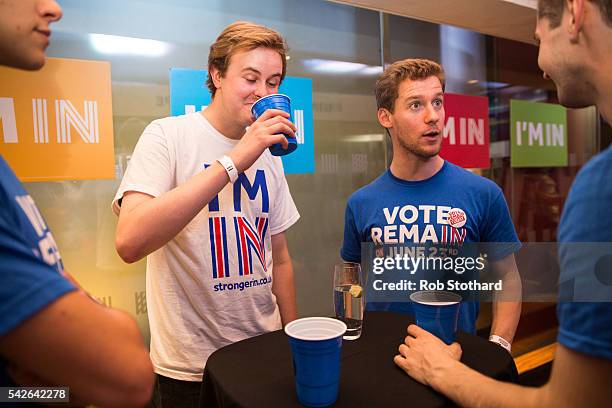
[(57, 123)]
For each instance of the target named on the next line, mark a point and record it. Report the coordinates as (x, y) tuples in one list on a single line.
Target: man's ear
[(384, 118), (216, 76), (576, 15)]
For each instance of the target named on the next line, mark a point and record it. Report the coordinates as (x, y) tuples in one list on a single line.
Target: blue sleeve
[(585, 253), (586, 327), (498, 232), (351, 246), (27, 283)]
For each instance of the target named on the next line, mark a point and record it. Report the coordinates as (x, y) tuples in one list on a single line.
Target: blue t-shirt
[(392, 210), (30, 264), (586, 326)]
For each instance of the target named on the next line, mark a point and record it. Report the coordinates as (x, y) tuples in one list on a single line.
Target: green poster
[(538, 134)]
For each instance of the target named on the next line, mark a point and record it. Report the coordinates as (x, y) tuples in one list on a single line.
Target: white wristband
[(501, 341), (229, 167)]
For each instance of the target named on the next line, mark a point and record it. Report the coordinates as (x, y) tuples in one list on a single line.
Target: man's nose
[(50, 10), (261, 90), (432, 115)]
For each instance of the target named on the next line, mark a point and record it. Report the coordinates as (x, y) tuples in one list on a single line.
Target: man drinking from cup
[(208, 205)]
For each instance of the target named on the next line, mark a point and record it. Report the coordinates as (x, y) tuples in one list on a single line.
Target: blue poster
[(188, 94)]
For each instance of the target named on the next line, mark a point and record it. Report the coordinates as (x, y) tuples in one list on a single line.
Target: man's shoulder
[(10, 188), (182, 130), (586, 207), (371, 191), (465, 179), (594, 177), (8, 179), (175, 122), (602, 159)]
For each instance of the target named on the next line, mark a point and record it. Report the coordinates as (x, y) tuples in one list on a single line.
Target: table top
[(258, 372)]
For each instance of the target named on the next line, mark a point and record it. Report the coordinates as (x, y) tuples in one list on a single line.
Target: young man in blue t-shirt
[(576, 53), (423, 199), (51, 332)]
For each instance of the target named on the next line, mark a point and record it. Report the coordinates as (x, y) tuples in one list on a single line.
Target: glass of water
[(348, 298)]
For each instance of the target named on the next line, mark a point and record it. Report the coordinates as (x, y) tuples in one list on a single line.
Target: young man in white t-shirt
[(208, 205)]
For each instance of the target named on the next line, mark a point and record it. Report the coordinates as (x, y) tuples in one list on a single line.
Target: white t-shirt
[(211, 285)]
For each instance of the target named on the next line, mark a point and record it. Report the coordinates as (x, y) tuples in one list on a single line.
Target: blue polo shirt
[(30, 264), (585, 309)]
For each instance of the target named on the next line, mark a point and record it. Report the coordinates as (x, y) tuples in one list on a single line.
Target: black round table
[(258, 372)]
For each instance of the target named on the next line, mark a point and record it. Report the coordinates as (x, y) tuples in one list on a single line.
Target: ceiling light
[(324, 66), (118, 45), (364, 138), (335, 67), (372, 70)]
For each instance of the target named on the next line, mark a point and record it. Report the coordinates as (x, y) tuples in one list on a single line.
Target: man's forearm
[(151, 224), (507, 303), (469, 388), (506, 316), (283, 288)]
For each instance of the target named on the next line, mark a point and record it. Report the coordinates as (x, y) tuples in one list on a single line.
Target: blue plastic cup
[(280, 102), (437, 312), (315, 344)]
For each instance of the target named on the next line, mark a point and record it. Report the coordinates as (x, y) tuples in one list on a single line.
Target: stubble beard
[(418, 151), (573, 92), (576, 96)]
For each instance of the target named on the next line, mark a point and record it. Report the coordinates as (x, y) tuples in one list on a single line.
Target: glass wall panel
[(348, 141), (339, 47)]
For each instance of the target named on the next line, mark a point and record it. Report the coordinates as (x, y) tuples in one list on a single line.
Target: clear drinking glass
[(348, 298)]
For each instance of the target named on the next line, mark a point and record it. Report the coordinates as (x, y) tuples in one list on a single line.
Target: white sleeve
[(151, 167), (283, 212)]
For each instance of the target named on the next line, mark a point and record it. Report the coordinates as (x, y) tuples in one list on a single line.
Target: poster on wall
[(466, 131), (57, 123), (538, 134), (188, 94)]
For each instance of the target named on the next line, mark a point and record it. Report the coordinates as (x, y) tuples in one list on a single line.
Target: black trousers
[(171, 393)]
